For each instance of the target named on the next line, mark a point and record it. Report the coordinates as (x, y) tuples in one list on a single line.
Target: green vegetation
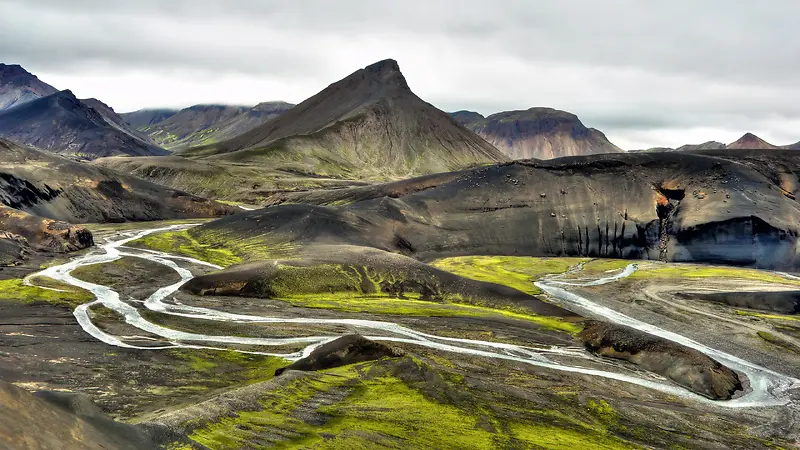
[(766, 316), (14, 290), (596, 266), (775, 340), (695, 271), (518, 272), (182, 243), (382, 410), (375, 304)]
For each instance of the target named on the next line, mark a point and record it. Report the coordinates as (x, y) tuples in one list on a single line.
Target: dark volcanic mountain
[(191, 126), (18, 86), (63, 124), (467, 118), (661, 206), (115, 120), (147, 117), (368, 125), (751, 142), (47, 185), (244, 122), (541, 133)]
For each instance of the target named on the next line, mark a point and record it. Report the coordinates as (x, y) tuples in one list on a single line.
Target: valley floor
[(473, 376)]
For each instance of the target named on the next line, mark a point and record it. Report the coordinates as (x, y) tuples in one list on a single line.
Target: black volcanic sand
[(658, 206)]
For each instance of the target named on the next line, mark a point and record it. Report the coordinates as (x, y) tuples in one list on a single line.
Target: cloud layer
[(646, 73)]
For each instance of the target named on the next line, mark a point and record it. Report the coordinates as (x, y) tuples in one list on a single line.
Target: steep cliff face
[(667, 206), (541, 133)]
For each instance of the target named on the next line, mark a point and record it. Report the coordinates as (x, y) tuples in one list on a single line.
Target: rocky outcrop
[(44, 234), (346, 350), (369, 125), (13, 249), (47, 185), (541, 133), (683, 365)]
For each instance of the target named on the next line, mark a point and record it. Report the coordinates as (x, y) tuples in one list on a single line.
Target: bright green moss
[(518, 272), (380, 410), (767, 316), (183, 243), (14, 290), (374, 304), (695, 271)]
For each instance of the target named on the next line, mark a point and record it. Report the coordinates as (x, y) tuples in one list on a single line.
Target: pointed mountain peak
[(751, 141), (387, 71)]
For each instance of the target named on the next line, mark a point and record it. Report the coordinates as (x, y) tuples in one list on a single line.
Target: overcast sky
[(646, 73)]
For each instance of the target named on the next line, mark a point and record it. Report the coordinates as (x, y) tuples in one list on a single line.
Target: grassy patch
[(694, 271), (225, 367), (348, 302), (14, 290), (766, 316), (518, 272), (183, 243), (382, 410)]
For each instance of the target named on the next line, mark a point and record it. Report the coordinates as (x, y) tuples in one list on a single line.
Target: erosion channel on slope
[(766, 387)]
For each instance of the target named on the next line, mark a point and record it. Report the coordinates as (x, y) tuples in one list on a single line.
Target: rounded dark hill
[(63, 124), (368, 125), (146, 117), (751, 142), (322, 270), (660, 206), (541, 133), (47, 185), (18, 86), (466, 118)]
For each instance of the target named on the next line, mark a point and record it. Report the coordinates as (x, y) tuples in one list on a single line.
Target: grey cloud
[(622, 64)]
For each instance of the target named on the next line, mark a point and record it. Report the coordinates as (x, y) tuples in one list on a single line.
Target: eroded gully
[(767, 388)]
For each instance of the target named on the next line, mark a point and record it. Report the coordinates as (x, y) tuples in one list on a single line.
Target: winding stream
[(767, 387)]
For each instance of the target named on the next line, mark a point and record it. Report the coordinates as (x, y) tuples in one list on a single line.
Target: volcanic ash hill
[(541, 133)]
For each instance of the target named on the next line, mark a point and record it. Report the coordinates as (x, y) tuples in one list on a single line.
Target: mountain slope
[(63, 124), (368, 125), (466, 118), (50, 186), (541, 133), (147, 117), (18, 86), (192, 125), (710, 145), (751, 142), (115, 120)]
